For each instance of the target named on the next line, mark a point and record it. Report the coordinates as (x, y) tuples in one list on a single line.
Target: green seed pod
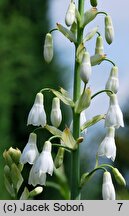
[(119, 178), (59, 157), (109, 29), (70, 14), (85, 67), (113, 82), (99, 49), (89, 16), (93, 3), (84, 101), (48, 48)]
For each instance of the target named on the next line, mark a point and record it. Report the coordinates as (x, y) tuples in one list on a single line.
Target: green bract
[(84, 101), (89, 16)]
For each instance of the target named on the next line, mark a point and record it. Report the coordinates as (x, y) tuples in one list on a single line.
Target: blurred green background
[(23, 72)]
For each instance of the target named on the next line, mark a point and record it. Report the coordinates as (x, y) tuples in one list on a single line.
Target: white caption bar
[(63, 208)]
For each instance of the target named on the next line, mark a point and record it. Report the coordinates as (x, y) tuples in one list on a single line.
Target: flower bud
[(99, 49), (70, 14), (36, 191), (56, 116), (119, 178), (113, 82), (93, 3), (89, 16), (84, 101), (14, 154), (109, 29), (48, 48), (85, 68), (7, 158)]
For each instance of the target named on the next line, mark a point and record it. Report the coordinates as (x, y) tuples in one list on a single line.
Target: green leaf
[(90, 34), (25, 194), (67, 33), (92, 121), (53, 130), (67, 100)]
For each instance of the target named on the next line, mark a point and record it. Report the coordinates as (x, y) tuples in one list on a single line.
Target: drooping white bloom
[(113, 82), (30, 152), (114, 116), (56, 115), (70, 14), (37, 115), (85, 68), (107, 147), (44, 164), (108, 191)]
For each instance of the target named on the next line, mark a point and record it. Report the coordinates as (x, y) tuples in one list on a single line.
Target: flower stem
[(75, 159)]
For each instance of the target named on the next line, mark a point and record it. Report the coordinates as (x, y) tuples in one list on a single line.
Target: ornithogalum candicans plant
[(69, 139)]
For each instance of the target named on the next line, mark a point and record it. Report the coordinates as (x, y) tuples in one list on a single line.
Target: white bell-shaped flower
[(37, 115), (56, 115), (114, 116), (44, 164), (30, 152), (107, 147), (108, 191), (113, 82), (70, 14)]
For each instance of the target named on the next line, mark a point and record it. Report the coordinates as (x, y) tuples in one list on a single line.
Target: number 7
[(120, 205)]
